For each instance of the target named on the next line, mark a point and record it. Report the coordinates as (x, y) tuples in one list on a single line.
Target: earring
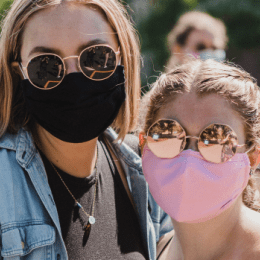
[(251, 172)]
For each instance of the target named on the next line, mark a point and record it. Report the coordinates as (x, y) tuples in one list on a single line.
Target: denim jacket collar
[(22, 143)]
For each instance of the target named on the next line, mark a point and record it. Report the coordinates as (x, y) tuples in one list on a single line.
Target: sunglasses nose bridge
[(193, 143), (71, 64)]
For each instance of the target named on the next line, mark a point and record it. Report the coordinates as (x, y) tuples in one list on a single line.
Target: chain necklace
[(91, 218)]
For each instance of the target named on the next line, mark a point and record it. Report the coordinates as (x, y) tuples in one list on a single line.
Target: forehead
[(195, 113), (200, 36), (65, 27)]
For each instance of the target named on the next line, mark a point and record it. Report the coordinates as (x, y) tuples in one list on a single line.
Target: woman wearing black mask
[(69, 188)]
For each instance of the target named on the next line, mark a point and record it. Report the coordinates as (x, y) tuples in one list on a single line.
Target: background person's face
[(65, 30), (197, 41)]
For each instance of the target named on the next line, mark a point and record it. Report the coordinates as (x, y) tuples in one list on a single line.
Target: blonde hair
[(13, 114), (206, 77)]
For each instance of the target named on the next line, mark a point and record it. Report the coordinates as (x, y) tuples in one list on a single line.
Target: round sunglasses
[(217, 143), (97, 62)]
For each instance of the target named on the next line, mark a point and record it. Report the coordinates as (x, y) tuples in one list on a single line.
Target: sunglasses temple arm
[(21, 68), (118, 56), (249, 149)]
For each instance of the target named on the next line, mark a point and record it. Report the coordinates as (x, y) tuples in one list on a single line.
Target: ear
[(254, 157), (178, 52), (142, 140), (17, 69), (176, 49)]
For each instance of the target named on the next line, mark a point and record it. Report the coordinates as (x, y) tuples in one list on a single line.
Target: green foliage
[(242, 18), (4, 6), (154, 31)]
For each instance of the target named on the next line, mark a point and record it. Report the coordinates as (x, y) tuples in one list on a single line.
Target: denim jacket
[(29, 222)]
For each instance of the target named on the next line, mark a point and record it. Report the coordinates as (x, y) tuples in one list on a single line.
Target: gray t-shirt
[(116, 233)]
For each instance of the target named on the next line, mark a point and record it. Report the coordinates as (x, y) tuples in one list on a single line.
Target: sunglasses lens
[(45, 71), (218, 143), (98, 62), (166, 138)]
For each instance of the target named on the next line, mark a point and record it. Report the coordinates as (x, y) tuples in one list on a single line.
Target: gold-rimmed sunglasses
[(217, 143), (97, 62)]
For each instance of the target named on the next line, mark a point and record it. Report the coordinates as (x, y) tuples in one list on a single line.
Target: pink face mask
[(190, 189)]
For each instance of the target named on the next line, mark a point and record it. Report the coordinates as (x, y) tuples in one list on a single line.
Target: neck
[(212, 239), (76, 159)]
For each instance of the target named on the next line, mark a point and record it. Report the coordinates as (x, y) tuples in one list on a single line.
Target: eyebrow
[(44, 49)]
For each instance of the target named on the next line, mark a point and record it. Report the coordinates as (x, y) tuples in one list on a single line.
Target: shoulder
[(8, 141), (133, 142), (8, 149), (16, 152), (13, 141), (123, 150)]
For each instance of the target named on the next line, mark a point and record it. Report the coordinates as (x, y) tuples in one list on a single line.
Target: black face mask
[(79, 109)]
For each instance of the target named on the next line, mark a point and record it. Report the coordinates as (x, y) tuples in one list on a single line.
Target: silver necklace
[(91, 218)]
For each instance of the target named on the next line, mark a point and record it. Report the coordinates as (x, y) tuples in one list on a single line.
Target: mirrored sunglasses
[(217, 143), (97, 62)]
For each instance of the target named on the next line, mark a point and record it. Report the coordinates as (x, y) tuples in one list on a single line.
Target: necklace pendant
[(91, 220), (87, 227)]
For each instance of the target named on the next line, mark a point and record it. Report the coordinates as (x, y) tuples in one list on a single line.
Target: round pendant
[(91, 220)]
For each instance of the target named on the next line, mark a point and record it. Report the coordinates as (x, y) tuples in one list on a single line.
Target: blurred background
[(154, 19)]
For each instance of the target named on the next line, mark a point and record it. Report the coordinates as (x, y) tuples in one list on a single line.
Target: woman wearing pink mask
[(200, 144)]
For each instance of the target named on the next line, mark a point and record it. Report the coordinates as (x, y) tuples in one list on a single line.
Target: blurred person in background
[(198, 35)]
